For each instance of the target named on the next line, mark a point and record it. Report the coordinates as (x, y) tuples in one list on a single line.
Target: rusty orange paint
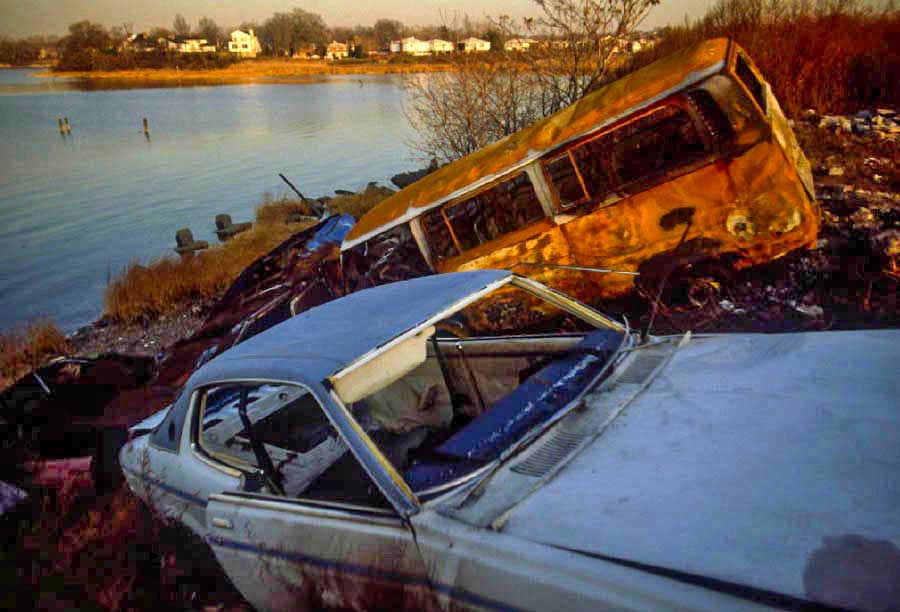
[(589, 113), (779, 219), (750, 196)]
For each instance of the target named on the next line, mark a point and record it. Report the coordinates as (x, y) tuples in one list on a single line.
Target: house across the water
[(187, 44), (473, 45), (244, 44), (336, 50)]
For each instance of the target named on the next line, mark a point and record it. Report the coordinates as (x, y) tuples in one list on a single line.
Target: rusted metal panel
[(628, 234), (591, 113), (298, 274)]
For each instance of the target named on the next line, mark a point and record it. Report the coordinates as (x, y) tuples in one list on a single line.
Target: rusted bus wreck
[(688, 158)]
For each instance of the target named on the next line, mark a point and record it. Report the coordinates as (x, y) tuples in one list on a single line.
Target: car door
[(305, 554), (170, 475), (328, 538)]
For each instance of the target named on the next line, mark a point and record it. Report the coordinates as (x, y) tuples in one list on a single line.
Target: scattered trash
[(729, 306)]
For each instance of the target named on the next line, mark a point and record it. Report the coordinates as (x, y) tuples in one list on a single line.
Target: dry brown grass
[(262, 70), (359, 204), (26, 348), (834, 57), (144, 292), (279, 211)]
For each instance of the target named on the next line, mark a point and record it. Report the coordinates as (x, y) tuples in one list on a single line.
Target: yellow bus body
[(744, 189)]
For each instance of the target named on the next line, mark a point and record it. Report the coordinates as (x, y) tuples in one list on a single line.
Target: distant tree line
[(25, 51), (94, 46)]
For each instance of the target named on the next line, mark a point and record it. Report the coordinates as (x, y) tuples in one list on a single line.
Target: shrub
[(144, 292), (24, 349), (90, 59), (834, 57)]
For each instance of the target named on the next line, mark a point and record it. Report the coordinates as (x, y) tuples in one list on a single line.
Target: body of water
[(76, 209)]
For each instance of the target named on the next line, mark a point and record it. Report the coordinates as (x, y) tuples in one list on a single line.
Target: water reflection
[(76, 208)]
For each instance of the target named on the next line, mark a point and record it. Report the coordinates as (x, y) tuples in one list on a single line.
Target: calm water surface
[(76, 209)]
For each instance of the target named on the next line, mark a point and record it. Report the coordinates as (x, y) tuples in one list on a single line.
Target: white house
[(436, 45), (473, 45), (336, 50), (244, 44), (185, 44), (411, 45), (138, 43), (519, 44)]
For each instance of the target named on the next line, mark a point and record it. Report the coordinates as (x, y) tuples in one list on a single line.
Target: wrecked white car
[(447, 443)]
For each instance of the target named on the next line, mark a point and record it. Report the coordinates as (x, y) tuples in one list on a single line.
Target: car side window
[(282, 431)]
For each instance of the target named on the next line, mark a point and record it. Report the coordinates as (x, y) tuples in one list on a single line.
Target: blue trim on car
[(366, 571), (198, 501)]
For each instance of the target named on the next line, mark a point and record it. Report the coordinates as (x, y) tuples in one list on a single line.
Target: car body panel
[(698, 473), (763, 460)]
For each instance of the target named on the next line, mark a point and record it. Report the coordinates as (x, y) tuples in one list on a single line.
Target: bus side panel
[(752, 205)]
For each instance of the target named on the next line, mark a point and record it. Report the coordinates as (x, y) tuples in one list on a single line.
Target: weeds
[(25, 349), (145, 292), (836, 57), (359, 204)]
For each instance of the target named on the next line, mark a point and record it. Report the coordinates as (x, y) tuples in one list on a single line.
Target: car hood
[(765, 461)]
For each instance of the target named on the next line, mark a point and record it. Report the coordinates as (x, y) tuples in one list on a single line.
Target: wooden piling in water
[(68, 127), (62, 129), (146, 127)]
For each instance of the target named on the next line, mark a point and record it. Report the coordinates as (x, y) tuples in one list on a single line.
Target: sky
[(20, 18)]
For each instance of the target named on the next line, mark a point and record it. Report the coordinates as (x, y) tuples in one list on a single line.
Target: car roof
[(315, 344)]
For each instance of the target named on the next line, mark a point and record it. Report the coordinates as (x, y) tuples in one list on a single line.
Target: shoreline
[(264, 71)]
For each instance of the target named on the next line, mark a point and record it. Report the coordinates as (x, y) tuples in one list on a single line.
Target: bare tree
[(210, 30), (457, 112), (578, 42), (480, 101), (386, 30), (180, 25)]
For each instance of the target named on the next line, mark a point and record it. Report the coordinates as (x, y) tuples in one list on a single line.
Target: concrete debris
[(814, 310), (729, 306), (881, 123)]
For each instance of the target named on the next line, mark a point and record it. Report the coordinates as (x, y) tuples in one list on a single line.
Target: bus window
[(593, 163), (440, 243), (390, 256), (745, 74), (561, 173), (658, 142), (506, 207), (640, 150)]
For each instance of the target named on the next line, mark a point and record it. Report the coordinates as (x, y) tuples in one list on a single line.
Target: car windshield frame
[(534, 288)]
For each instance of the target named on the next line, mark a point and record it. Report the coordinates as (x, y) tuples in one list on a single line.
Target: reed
[(144, 292), (25, 348), (836, 57)]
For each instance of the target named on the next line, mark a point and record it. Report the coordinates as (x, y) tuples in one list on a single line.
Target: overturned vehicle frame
[(689, 158), (432, 456)]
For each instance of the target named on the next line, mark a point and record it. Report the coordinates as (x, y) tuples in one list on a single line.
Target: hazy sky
[(26, 17)]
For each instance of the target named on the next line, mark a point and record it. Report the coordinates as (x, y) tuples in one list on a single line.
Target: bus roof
[(593, 112)]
